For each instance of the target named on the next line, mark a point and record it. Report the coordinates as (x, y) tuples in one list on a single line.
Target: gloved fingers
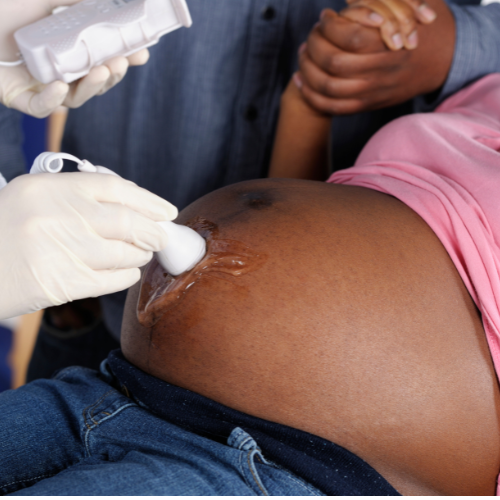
[(87, 87), (41, 104), (116, 281), (121, 223), (139, 58), (112, 254), (118, 67), (109, 281), (114, 189)]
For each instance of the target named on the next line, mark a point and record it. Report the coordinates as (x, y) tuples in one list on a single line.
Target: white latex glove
[(19, 90), (74, 235)]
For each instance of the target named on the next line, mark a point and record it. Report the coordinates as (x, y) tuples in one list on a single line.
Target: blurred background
[(17, 335)]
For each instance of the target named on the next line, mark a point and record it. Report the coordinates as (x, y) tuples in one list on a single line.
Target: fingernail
[(377, 18), (297, 80), (427, 12), (397, 41), (302, 48), (413, 40), (322, 15)]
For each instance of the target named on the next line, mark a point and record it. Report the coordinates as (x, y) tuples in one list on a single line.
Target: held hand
[(19, 90), (346, 68), (397, 19), (72, 236)]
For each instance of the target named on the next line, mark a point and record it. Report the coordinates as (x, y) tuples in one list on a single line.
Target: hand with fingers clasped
[(375, 54)]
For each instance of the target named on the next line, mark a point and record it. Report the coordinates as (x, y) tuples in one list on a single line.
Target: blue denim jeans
[(78, 435)]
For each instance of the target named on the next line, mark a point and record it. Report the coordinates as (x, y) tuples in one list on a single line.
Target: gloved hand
[(74, 235), (19, 90)]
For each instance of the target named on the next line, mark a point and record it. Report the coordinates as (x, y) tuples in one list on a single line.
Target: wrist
[(293, 100), (437, 43)]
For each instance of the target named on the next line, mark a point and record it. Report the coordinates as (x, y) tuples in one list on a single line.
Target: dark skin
[(356, 328), (347, 68)]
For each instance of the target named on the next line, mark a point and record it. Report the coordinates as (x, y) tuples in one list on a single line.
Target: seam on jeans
[(242, 471), (92, 412), (248, 438), (261, 487), (87, 433), (87, 408), (241, 468), (45, 476)]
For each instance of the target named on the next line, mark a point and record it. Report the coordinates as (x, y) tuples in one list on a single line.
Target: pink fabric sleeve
[(446, 167)]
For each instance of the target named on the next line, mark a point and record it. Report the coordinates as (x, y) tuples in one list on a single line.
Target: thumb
[(41, 104)]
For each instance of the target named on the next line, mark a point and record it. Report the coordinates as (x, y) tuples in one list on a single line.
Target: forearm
[(476, 51), (301, 143)]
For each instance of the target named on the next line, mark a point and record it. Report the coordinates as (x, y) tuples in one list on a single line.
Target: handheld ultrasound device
[(69, 43)]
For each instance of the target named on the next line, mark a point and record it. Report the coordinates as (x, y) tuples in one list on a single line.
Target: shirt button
[(268, 13), (251, 113)]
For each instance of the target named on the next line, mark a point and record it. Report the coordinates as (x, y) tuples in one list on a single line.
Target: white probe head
[(184, 250)]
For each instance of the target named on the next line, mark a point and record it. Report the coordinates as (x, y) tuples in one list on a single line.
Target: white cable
[(11, 64), (52, 163), (86, 166)]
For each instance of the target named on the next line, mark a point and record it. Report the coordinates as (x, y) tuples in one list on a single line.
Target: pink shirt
[(446, 167)]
